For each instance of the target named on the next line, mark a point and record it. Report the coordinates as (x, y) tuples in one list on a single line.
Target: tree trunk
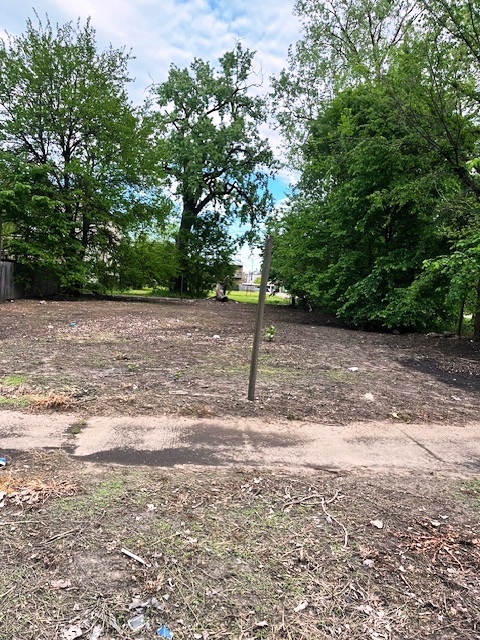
[(189, 214), (460, 319), (476, 318)]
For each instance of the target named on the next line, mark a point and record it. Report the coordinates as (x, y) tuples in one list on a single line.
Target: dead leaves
[(52, 401), (440, 542), (26, 491)]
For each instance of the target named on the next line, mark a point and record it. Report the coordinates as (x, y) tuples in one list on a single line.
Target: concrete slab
[(169, 441)]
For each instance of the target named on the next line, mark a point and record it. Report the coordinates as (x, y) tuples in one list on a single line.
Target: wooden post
[(259, 322)]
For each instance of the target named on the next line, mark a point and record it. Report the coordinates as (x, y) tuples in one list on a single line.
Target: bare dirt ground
[(235, 554), (192, 359), (232, 553)]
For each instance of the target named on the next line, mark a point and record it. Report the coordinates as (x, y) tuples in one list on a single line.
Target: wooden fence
[(9, 289)]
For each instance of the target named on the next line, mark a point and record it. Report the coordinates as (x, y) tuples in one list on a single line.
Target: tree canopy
[(217, 163), (70, 170), (380, 108)]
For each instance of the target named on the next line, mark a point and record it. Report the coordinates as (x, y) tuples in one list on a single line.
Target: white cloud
[(174, 31)]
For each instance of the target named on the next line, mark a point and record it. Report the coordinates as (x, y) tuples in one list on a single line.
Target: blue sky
[(161, 32)]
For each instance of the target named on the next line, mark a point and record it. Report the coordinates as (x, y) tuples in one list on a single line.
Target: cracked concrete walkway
[(168, 441)]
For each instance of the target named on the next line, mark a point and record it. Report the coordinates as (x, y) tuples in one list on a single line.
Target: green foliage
[(270, 333), (207, 129), (365, 217), (70, 170), (208, 255), (141, 262), (381, 110)]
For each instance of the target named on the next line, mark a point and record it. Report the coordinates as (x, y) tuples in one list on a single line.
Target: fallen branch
[(58, 536), (133, 556), (303, 500), (332, 518)]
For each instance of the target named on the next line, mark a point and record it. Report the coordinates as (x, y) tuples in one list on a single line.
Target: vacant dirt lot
[(232, 553), (192, 359)]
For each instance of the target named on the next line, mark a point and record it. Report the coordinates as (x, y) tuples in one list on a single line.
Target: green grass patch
[(22, 402), (148, 291), (248, 297), (346, 377), (15, 380), (471, 490), (251, 297)]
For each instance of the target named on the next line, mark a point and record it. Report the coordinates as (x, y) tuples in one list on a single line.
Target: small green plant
[(270, 333), (76, 427)]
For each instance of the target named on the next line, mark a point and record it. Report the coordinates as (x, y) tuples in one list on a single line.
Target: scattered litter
[(60, 584), (377, 523), (96, 632), (368, 562), (262, 623), (42, 302), (50, 326), (137, 622), (164, 632), (136, 603), (456, 398), (369, 396), (72, 633), (435, 523), (73, 324), (301, 606), (394, 414), (3, 462), (216, 337), (353, 369), (151, 507), (134, 557)]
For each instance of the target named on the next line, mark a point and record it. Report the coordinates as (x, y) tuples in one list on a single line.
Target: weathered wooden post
[(259, 322)]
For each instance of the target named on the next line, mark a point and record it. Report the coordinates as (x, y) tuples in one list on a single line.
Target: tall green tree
[(366, 217), (68, 130), (423, 57), (344, 43), (208, 128)]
